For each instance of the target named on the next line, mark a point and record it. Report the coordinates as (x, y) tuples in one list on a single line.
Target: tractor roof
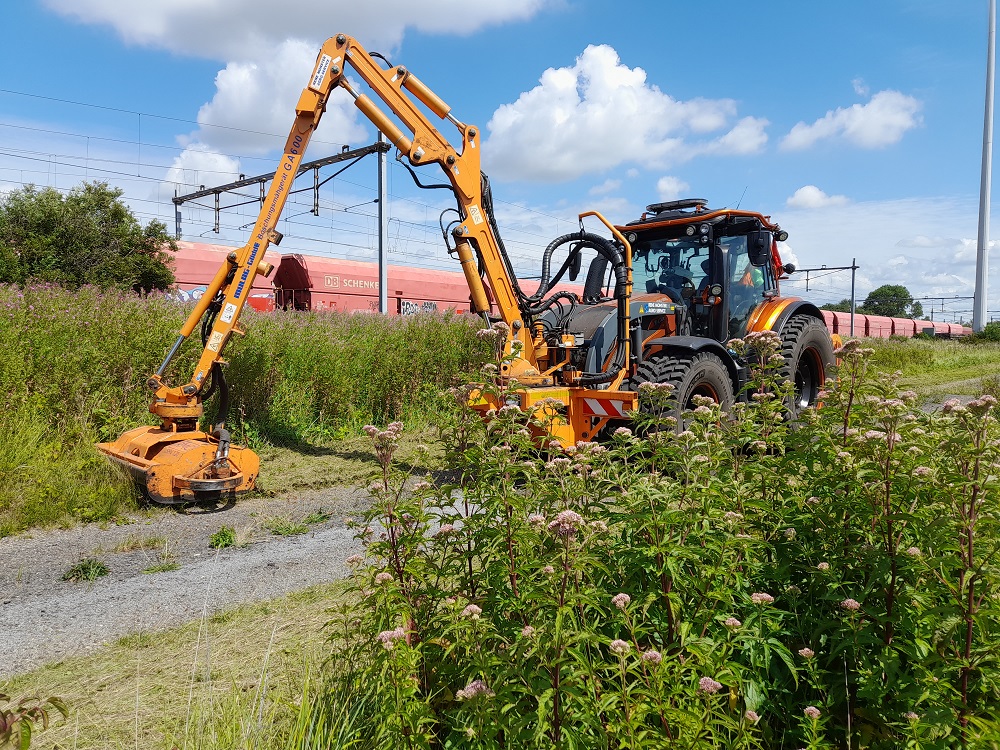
[(688, 210)]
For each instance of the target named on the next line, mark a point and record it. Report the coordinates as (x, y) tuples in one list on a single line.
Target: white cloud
[(671, 188), (598, 114), (252, 112), (198, 165), (608, 186), (254, 105), (860, 87), (748, 136), (879, 123), (810, 196), (250, 29), (787, 255)]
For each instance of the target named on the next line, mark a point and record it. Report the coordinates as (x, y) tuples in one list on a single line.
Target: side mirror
[(759, 247), (575, 264)]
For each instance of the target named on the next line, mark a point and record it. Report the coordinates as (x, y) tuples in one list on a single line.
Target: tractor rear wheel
[(701, 374), (808, 352)]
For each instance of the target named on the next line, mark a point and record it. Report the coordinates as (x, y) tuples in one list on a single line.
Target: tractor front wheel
[(808, 354), (701, 374)]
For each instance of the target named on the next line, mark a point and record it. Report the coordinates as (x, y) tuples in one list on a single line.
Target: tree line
[(890, 300)]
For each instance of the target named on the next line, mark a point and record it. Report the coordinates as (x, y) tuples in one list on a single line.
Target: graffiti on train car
[(407, 307)]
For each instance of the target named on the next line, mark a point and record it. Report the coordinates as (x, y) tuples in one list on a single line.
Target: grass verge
[(230, 680), (936, 368)]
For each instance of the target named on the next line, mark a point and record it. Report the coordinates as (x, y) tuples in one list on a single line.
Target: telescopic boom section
[(423, 144), (237, 280)]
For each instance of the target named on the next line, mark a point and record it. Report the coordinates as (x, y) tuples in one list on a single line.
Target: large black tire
[(808, 353), (701, 374)]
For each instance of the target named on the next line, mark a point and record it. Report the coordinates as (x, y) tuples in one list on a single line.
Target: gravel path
[(43, 618)]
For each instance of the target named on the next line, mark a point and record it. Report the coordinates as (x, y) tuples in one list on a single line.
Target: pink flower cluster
[(760, 598), (472, 612), (709, 686), (475, 689), (621, 601), (619, 647), (388, 638), (566, 524)]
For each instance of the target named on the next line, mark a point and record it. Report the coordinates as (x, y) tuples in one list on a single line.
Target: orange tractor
[(662, 296)]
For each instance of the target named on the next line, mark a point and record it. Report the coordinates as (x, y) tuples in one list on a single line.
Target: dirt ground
[(44, 618)]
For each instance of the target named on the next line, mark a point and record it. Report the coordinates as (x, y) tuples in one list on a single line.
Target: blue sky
[(856, 125)]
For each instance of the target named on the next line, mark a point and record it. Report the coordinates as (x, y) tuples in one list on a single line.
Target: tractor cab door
[(749, 281)]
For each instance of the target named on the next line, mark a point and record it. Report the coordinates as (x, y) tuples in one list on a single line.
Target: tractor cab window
[(676, 268), (747, 283)]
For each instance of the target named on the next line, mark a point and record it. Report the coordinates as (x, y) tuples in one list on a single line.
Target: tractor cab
[(716, 266)]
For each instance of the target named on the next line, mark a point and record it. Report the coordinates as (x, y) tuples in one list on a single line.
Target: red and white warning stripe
[(604, 408)]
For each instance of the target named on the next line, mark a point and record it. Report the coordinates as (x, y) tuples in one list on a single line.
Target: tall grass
[(935, 368), (298, 376), (74, 364)]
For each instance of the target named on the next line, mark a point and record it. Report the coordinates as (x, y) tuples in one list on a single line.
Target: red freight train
[(302, 282), (880, 327)]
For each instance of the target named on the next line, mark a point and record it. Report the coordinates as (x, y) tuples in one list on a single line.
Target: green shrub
[(990, 332), (285, 526)]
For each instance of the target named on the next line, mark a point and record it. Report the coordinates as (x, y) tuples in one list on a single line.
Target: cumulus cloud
[(599, 113), (879, 123), (270, 49), (671, 188), (608, 186), (199, 165), (254, 105), (250, 29), (251, 113), (810, 196)]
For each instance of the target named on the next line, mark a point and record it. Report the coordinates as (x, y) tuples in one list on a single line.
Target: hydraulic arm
[(175, 461), (178, 462)]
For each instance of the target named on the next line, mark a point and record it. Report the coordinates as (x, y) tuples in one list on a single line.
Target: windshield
[(670, 267)]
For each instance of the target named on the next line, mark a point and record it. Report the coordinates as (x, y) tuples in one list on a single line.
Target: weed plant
[(74, 365), (736, 581), (285, 526), (88, 569), (224, 537)]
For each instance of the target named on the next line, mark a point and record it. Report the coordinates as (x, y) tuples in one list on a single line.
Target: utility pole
[(982, 254), (383, 233), (853, 268), (854, 306)]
